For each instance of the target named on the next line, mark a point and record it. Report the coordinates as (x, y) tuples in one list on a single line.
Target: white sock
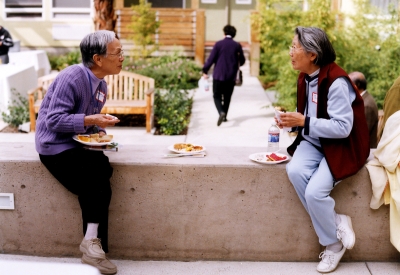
[(91, 231), (335, 247)]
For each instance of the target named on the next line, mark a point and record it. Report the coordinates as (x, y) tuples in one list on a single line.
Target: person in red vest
[(332, 141)]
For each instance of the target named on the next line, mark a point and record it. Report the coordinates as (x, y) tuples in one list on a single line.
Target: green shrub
[(172, 110), (169, 71), (143, 27), (355, 44), (174, 75), (60, 62), (18, 111)]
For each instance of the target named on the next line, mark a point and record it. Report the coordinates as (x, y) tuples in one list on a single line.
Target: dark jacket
[(6, 40), (226, 54), (344, 156)]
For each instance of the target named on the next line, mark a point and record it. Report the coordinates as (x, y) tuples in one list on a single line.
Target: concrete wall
[(221, 207)]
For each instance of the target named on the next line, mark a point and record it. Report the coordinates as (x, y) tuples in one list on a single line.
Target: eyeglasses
[(120, 54), (294, 48)]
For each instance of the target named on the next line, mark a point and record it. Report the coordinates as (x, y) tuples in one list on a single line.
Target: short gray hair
[(95, 43), (316, 41)]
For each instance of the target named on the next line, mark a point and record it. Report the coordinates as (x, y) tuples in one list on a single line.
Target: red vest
[(345, 156)]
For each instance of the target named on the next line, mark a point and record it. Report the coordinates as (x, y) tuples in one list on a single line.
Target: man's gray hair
[(316, 41), (95, 43)]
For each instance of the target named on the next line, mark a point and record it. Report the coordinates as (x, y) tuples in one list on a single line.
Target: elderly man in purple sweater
[(227, 55), (72, 106)]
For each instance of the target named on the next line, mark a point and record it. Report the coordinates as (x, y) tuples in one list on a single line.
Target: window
[(384, 5), (71, 9), (158, 3), (23, 9)]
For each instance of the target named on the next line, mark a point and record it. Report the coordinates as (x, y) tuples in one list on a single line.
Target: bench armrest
[(34, 91), (149, 91)]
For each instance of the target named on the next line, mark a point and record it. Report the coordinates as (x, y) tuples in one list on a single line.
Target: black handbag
[(239, 78)]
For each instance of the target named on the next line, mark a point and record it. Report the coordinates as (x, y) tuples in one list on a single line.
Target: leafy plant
[(144, 26), (355, 44), (169, 71), (174, 75), (60, 62), (18, 111), (172, 110)]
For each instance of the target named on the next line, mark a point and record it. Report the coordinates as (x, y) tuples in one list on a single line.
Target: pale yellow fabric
[(384, 172)]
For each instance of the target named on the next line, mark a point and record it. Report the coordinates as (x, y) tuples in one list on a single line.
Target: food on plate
[(275, 157), (105, 138), (84, 138), (187, 147), (95, 138)]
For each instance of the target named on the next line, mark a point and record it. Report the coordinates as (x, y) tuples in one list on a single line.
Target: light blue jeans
[(309, 173)]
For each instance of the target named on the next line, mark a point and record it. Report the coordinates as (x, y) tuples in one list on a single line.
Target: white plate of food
[(269, 157), (94, 139), (186, 148)]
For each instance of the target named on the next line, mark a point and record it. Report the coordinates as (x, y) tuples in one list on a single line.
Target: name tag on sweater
[(100, 96), (315, 98)]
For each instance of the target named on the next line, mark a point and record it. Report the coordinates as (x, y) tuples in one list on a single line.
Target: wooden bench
[(128, 93)]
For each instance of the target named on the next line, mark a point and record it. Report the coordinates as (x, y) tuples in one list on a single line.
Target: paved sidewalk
[(249, 118)]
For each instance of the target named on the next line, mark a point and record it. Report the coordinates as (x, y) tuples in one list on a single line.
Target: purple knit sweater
[(64, 107)]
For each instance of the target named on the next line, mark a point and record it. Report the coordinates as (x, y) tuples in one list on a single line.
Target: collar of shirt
[(363, 92), (312, 76), (228, 36), (95, 81)]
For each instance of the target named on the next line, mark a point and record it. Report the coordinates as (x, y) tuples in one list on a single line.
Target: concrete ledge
[(221, 207)]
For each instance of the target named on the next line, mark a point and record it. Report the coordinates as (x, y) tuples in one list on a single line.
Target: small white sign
[(209, 1), (7, 201), (243, 2)]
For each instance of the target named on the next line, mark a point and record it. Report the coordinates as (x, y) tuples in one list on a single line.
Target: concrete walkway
[(249, 118)]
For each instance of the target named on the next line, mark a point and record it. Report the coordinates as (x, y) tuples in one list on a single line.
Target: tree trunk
[(104, 18)]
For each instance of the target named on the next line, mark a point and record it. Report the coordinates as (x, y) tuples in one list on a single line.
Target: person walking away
[(72, 106), (6, 43), (332, 142), (370, 107), (227, 56)]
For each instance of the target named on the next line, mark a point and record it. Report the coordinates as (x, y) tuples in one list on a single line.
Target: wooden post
[(195, 4), (254, 48), (200, 37), (336, 5), (119, 4)]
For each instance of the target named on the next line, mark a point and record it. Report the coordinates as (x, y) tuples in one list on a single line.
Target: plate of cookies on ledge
[(186, 148)]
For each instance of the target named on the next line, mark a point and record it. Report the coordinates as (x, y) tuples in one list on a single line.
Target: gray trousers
[(4, 59), (309, 173)]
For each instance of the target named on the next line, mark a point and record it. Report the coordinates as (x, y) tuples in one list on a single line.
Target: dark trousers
[(86, 174), (222, 93)]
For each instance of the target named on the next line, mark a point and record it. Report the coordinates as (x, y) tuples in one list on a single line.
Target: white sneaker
[(330, 260), (345, 232)]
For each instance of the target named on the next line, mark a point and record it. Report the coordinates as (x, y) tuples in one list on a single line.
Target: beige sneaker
[(92, 248), (103, 265)]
